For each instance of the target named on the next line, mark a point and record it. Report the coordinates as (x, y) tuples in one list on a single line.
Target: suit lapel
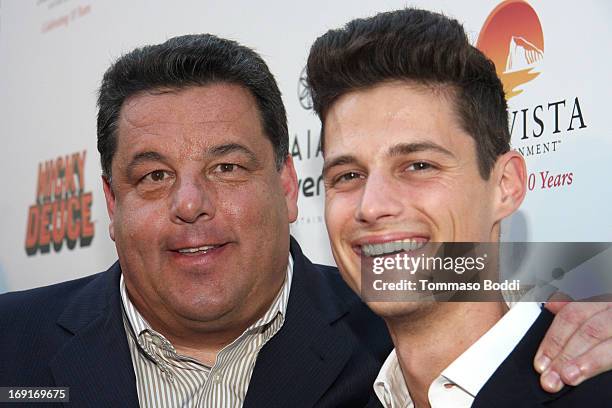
[(374, 402), (309, 350), (516, 383), (96, 363)]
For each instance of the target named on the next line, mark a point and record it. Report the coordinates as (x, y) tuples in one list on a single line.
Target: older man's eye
[(226, 167), (157, 175)]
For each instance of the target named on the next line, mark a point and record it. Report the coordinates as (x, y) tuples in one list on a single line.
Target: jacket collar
[(516, 382), (95, 363), (309, 350)]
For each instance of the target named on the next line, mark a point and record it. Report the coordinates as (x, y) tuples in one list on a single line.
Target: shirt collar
[(138, 324), (472, 369), (279, 304), (390, 387)]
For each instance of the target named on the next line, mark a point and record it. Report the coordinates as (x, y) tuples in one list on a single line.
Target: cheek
[(340, 223), (437, 207), (341, 207), (139, 223), (431, 200), (257, 207), (468, 213), (339, 212)]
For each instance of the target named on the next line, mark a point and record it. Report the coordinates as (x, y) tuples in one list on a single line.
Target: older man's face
[(399, 170), (199, 213)]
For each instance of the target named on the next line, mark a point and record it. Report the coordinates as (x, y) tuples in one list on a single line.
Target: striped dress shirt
[(165, 378)]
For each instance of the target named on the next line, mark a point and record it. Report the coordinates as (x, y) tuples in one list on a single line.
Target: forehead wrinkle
[(142, 122), (144, 107)]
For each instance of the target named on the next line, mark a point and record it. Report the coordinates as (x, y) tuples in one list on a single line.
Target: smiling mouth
[(199, 250), (392, 247)]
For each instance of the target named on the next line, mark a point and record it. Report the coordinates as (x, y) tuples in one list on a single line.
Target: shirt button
[(449, 385), (217, 378)]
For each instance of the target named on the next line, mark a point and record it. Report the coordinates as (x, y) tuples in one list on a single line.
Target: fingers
[(573, 342), (550, 381), (596, 361), (567, 321), (589, 351), (596, 330)]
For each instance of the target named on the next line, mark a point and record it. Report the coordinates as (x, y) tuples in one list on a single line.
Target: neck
[(436, 334), (202, 340)]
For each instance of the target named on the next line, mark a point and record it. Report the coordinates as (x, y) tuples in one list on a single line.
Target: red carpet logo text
[(62, 209)]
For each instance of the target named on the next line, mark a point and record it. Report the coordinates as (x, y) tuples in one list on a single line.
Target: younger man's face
[(399, 172)]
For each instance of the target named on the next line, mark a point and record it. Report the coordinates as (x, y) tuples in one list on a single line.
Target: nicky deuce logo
[(62, 209)]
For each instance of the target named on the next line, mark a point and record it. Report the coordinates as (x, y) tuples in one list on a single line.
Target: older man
[(210, 304), (416, 149)]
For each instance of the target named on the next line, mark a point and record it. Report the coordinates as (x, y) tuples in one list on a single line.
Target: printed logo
[(303, 93), (62, 209), (512, 38)]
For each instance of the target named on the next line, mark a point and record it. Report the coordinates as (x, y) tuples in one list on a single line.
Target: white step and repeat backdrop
[(553, 57)]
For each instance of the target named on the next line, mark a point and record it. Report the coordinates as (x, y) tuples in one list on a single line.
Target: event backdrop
[(551, 56)]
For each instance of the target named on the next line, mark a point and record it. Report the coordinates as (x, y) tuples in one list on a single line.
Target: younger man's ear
[(510, 174)]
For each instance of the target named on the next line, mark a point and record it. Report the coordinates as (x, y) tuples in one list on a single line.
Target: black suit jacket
[(327, 353), (516, 384)]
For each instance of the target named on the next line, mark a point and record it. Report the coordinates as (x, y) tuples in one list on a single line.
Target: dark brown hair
[(417, 46), (182, 62)]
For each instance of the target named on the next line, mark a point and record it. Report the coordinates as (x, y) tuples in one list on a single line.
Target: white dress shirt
[(458, 384)]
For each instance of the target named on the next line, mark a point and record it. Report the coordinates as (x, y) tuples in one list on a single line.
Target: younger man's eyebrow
[(407, 148), (338, 161)]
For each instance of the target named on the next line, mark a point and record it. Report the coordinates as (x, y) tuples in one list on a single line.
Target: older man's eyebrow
[(338, 161), (143, 157), (408, 148), (227, 148)]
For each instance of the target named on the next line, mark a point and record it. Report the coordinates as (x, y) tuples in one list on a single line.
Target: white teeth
[(391, 247), (194, 250)]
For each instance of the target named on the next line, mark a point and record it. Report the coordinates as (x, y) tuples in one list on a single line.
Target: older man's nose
[(191, 200)]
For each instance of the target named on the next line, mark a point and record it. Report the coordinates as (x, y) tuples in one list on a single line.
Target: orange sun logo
[(512, 38)]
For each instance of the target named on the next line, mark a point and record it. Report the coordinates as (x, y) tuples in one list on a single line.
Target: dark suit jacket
[(516, 384), (327, 353)]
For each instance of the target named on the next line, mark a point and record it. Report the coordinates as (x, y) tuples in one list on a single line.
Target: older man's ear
[(109, 196)]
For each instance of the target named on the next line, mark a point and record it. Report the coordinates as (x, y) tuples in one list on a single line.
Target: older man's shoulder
[(41, 305)]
